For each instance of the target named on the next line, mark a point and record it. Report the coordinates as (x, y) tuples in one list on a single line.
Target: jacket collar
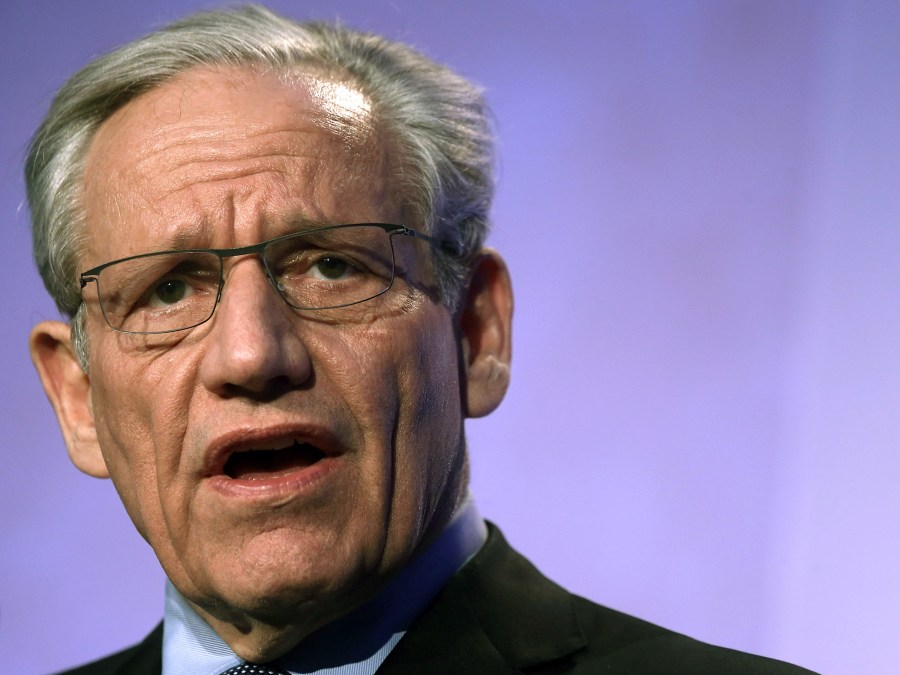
[(497, 615)]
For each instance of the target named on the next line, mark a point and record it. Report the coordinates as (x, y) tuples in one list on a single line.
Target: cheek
[(140, 407), (358, 368), (429, 426), (400, 378), (431, 380)]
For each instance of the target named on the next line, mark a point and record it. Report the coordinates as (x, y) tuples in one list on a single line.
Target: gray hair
[(437, 119)]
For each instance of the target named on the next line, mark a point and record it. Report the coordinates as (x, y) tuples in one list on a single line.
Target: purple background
[(700, 205)]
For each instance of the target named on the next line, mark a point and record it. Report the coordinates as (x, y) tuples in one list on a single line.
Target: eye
[(331, 268), (168, 292)]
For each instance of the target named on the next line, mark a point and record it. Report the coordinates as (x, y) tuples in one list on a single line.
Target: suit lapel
[(446, 640), (142, 659), (146, 658), (497, 615)]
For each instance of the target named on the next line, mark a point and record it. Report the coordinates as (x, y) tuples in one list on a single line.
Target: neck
[(264, 636), (372, 628)]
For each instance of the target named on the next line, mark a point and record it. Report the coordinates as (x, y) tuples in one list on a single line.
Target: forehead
[(229, 140), (227, 103)]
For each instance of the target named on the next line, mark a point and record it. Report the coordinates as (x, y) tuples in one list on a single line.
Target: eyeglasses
[(318, 269)]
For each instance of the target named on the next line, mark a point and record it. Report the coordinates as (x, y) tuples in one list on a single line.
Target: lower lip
[(294, 483)]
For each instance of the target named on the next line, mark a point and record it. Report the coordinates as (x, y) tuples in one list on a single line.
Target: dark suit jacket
[(498, 615)]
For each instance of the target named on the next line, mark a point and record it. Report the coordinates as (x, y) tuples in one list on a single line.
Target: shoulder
[(617, 642), (536, 624), (141, 659)]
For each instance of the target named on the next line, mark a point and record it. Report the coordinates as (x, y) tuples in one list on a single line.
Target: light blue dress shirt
[(355, 644)]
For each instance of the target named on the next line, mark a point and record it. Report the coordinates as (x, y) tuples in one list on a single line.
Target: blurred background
[(699, 202)]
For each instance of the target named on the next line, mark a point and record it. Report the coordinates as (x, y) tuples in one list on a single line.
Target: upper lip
[(267, 438)]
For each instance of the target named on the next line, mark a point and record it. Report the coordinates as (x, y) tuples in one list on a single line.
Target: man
[(269, 239)]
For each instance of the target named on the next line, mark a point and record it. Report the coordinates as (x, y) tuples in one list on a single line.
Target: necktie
[(253, 669)]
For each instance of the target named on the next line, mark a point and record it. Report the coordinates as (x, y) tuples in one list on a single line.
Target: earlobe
[(68, 387), (486, 326)]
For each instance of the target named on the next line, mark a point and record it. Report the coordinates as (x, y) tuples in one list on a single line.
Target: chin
[(281, 593)]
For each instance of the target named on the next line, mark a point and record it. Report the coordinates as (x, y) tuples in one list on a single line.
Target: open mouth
[(266, 464)]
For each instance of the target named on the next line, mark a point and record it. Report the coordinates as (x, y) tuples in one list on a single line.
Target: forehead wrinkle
[(219, 157), (157, 128), (148, 153)]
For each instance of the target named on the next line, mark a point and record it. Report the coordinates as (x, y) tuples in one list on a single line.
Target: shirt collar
[(355, 644)]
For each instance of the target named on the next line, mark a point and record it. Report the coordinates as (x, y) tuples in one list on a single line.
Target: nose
[(255, 347)]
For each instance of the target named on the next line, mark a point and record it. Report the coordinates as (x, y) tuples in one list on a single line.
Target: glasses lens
[(160, 293), (332, 267), (325, 268)]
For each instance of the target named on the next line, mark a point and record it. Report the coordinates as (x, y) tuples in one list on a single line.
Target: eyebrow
[(186, 236), (191, 235)]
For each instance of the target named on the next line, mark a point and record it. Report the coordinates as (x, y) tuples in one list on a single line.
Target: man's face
[(189, 425)]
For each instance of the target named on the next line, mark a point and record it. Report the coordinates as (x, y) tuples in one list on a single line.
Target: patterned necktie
[(253, 669)]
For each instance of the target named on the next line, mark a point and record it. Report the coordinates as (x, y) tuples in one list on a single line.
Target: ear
[(485, 321), (68, 387)]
